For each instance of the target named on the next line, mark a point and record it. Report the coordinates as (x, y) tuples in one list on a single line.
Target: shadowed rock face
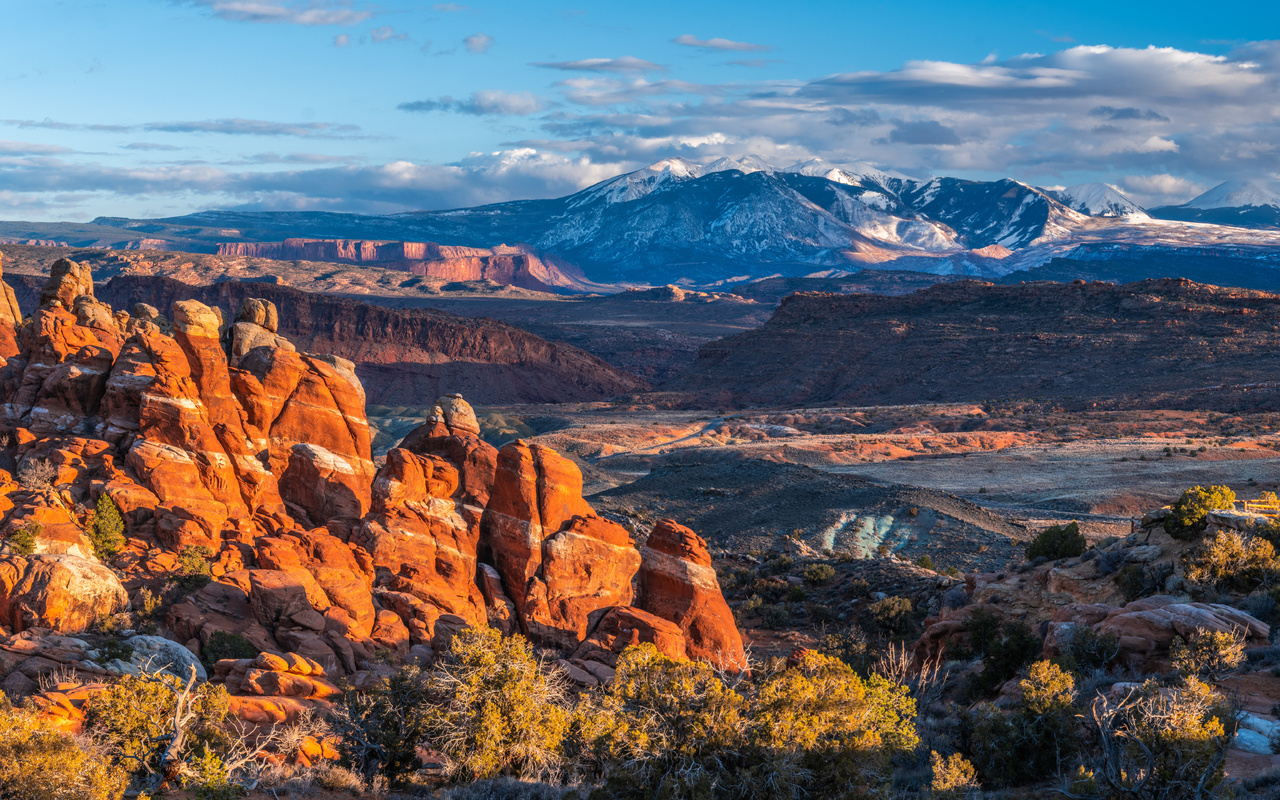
[(1156, 344), (227, 437)]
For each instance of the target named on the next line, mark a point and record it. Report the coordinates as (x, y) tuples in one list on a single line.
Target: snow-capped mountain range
[(741, 218)]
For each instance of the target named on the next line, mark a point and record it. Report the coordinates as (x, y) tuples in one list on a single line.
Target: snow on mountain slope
[(1098, 200), (1235, 194)]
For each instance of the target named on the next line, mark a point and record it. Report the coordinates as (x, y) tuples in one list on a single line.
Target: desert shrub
[(779, 564), (36, 474), (114, 648), (1011, 651), (982, 628), (850, 646), (194, 570), (856, 588), (1037, 739), (508, 789), (771, 590), (379, 728), (893, 615), (819, 574), (1206, 652), (1137, 581), (924, 562), (22, 542), (107, 533), (135, 717), (227, 645), (38, 762), (672, 729), (952, 776), (1162, 742), (775, 617), (797, 594), (498, 711), (1232, 562), (1057, 541), (1084, 650), (1187, 519)]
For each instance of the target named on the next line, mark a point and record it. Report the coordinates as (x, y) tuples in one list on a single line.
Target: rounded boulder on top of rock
[(677, 582)]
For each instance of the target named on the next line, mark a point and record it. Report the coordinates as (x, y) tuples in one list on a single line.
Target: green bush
[(775, 617), (952, 777), (1232, 562), (22, 542), (1084, 650), (819, 574), (379, 728), (496, 710), (1037, 739), (1057, 541), (924, 562), (1206, 652), (107, 533), (135, 717), (194, 570), (672, 729), (893, 615), (227, 645), (1016, 647), (982, 628), (850, 646), (1186, 521), (38, 762)]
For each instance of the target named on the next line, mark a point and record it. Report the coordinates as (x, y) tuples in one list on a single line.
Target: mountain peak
[(1098, 200), (1235, 194)]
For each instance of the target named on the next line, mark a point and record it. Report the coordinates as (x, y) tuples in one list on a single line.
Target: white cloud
[(386, 33), (1152, 191), (481, 103), (293, 12), (478, 43), (689, 40), (342, 40), (624, 64)]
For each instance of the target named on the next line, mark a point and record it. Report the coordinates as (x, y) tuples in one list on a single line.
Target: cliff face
[(212, 431), (1156, 343), (403, 356), (516, 266)]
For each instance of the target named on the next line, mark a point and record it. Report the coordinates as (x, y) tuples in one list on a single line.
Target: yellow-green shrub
[(1187, 518), (38, 763), (1206, 652), (1229, 560), (135, 717), (497, 711), (952, 776)]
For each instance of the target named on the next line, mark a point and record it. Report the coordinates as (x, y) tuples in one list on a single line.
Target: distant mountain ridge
[(734, 219)]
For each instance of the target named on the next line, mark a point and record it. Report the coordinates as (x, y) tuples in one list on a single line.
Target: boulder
[(158, 653), (62, 592), (1146, 628), (623, 626), (678, 583)]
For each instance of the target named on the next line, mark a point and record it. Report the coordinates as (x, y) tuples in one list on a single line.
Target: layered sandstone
[(516, 266), (219, 440)]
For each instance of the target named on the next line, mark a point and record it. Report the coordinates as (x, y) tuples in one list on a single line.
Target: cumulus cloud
[(478, 43), (481, 103), (689, 40), (1151, 191), (342, 40), (293, 12), (624, 64)]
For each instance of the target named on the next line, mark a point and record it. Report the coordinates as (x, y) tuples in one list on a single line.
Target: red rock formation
[(677, 582), (515, 266), (231, 439), (64, 593), (535, 491)]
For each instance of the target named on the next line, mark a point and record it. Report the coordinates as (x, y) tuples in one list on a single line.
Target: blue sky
[(163, 107)]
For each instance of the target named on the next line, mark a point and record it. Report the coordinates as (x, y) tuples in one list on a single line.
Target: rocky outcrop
[(1146, 628), (404, 355), (516, 266), (678, 582), (226, 448), (64, 593)]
